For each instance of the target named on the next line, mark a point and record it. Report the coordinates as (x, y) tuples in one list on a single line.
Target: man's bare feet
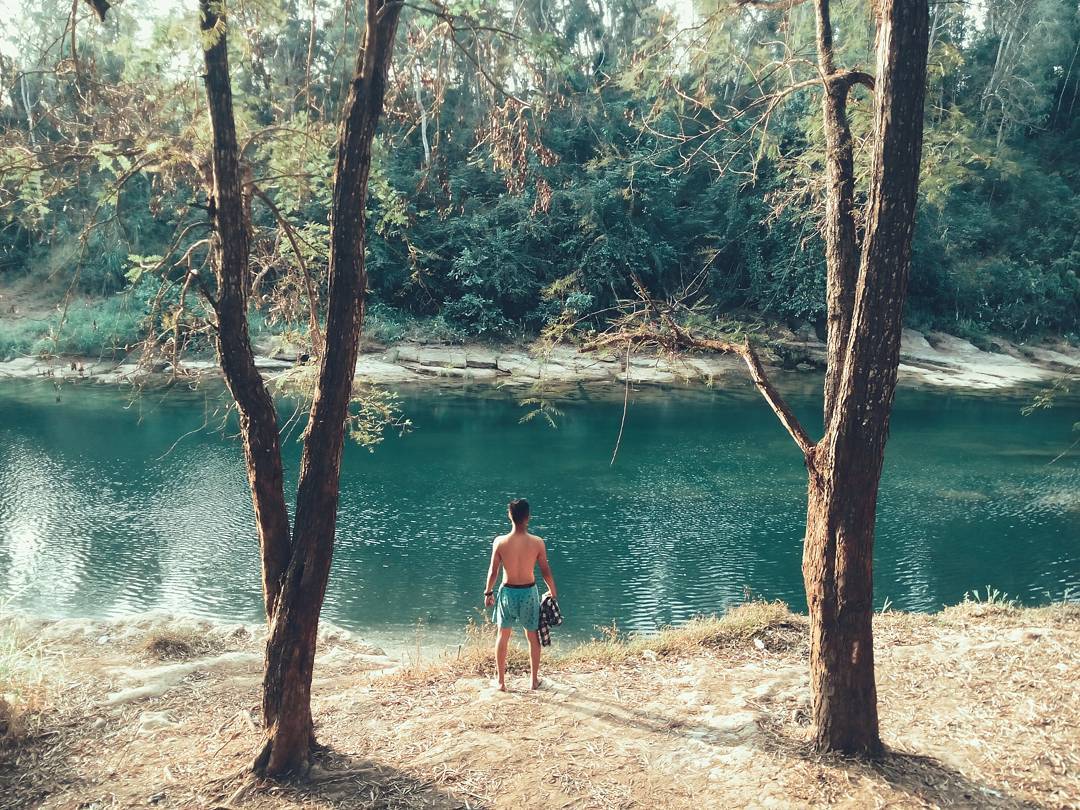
[(536, 684), (499, 685)]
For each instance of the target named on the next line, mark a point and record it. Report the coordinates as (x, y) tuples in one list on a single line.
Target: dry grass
[(1003, 686), (1009, 614), (23, 685), (475, 657), (978, 706), (771, 624)]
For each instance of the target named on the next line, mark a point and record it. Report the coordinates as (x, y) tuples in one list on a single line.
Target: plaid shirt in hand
[(550, 616)]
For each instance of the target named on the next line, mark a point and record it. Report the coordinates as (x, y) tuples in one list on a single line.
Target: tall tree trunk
[(230, 253), (290, 650), (845, 466)]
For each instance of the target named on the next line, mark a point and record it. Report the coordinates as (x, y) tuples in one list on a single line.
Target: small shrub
[(738, 626), (993, 597), (477, 654), (478, 316), (168, 647), (174, 645), (474, 658), (111, 326), (437, 330), (20, 337), (385, 324), (104, 327)]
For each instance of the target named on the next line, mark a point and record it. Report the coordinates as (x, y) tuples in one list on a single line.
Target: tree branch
[(74, 53), (313, 312), (850, 78), (771, 5), (483, 71), (761, 380), (653, 325)]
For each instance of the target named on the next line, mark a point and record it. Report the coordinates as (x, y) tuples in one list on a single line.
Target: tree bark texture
[(230, 253), (290, 651), (845, 466)]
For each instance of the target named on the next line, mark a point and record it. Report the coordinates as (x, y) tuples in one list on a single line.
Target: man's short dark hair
[(519, 510)]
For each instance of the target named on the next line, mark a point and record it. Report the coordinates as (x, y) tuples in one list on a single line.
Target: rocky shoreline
[(930, 359)]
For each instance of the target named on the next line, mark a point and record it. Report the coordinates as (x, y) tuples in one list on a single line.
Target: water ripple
[(707, 498)]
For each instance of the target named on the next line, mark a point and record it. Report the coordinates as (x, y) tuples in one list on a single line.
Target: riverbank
[(978, 708), (931, 359)]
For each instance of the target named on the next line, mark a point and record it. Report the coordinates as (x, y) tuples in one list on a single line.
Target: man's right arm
[(493, 572), (545, 569)]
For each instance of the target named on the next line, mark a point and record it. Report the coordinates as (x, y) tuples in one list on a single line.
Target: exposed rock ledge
[(934, 359)]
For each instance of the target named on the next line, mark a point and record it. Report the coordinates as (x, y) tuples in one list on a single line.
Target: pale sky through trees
[(13, 9)]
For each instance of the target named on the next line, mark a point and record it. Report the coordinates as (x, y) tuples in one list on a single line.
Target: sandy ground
[(979, 708)]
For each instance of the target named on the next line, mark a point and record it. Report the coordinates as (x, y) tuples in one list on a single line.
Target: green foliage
[(385, 324), (540, 407), (477, 315), (515, 221), (1048, 397), (999, 246), (19, 337), (108, 327), (1045, 399), (373, 410)]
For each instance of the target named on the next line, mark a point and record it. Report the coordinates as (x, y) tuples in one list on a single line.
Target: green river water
[(109, 507)]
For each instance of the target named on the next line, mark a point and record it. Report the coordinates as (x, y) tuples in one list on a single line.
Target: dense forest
[(535, 160)]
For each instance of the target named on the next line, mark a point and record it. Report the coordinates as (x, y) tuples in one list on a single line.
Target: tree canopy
[(533, 160)]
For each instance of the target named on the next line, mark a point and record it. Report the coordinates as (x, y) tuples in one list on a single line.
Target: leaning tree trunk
[(230, 253), (290, 650), (845, 466)]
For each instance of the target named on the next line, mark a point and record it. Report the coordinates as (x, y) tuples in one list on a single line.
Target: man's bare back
[(519, 553)]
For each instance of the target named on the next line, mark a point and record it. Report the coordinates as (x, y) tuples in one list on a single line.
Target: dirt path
[(979, 708)]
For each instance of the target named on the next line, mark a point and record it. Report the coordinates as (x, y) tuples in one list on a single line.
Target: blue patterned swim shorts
[(518, 606)]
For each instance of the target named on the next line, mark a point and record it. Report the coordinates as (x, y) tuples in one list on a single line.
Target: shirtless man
[(518, 603)]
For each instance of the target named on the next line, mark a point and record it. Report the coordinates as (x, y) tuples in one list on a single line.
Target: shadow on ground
[(935, 783), (923, 778), (33, 768), (339, 780)]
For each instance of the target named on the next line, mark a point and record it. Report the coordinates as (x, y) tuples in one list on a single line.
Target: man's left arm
[(545, 570)]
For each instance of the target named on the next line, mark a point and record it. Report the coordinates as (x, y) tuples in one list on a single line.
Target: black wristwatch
[(489, 593)]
